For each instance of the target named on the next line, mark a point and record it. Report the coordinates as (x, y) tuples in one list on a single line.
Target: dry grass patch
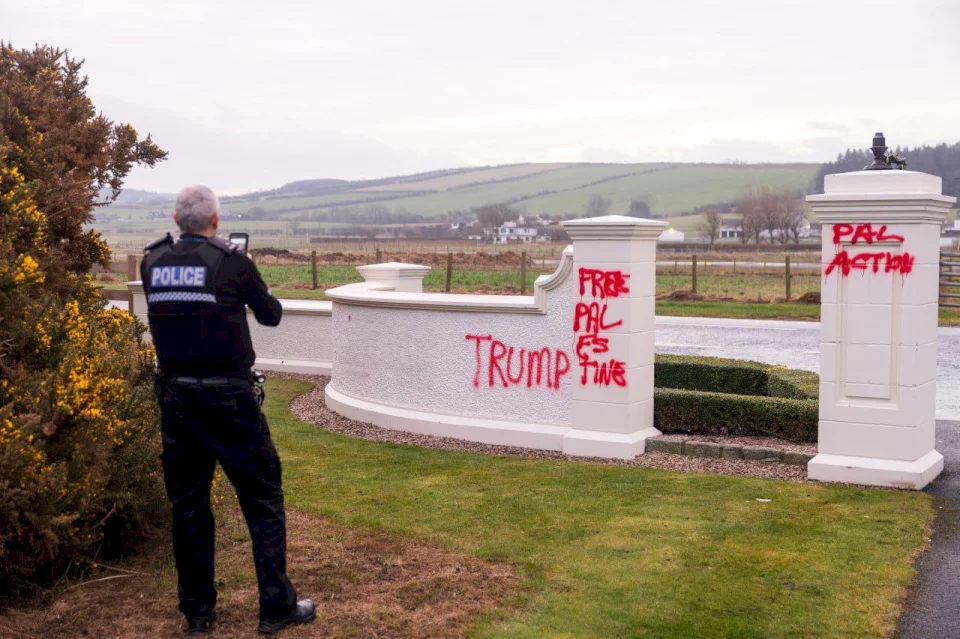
[(366, 583)]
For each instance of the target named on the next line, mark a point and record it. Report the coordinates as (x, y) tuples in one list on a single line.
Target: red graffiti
[(591, 319), (863, 232), (511, 366), (844, 262), (603, 374), (603, 284), (595, 343), (902, 264), (593, 316)]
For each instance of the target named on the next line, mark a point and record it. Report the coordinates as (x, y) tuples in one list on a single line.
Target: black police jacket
[(196, 291)]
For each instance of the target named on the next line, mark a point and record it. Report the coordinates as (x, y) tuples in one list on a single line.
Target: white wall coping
[(290, 307), (373, 294), (395, 269), (613, 227)]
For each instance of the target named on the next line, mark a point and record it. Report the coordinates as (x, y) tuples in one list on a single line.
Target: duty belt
[(208, 382)]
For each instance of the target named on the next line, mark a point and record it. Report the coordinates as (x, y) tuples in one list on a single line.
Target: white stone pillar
[(615, 278), (139, 300), (878, 335), (403, 278)]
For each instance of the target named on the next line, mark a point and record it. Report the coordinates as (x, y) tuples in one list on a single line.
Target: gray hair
[(196, 205)]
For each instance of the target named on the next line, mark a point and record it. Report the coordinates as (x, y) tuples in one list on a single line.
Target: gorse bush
[(79, 468), (714, 396)]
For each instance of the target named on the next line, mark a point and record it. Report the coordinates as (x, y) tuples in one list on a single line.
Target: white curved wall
[(422, 359), (463, 365), (301, 344)]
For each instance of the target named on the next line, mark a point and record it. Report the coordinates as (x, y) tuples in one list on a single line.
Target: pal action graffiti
[(889, 262), (589, 323)]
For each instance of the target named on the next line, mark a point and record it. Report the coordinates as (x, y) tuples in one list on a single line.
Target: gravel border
[(743, 440), (310, 408)]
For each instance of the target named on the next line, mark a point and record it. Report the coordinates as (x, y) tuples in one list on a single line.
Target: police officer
[(197, 290)]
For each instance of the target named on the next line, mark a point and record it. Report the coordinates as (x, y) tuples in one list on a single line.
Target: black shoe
[(305, 612), (200, 625)]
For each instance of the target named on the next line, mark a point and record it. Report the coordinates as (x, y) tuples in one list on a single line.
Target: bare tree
[(750, 207), (492, 216), (794, 219), (710, 226), (770, 212), (598, 205)]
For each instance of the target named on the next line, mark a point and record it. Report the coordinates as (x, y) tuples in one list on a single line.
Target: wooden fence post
[(523, 273), (133, 268), (449, 271), (787, 276), (694, 287), (379, 256), (313, 265)]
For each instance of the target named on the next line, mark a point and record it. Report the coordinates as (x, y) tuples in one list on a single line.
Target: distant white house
[(804, 232), (671, 235), (734, 231), (731, 231), (518, 231)]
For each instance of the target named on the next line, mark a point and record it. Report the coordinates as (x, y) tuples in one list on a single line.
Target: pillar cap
[(392, 271), (613, 227), (882, 183), (881, 197)]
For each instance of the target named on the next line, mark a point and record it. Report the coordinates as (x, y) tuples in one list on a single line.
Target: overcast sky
[(250, 94)]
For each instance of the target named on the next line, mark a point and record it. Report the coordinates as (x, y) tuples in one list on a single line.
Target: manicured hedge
[(714, 396), (740, 377)]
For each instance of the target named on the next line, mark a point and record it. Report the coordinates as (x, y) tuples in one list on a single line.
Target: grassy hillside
[(675, 189), (466, 178), (669, 189)]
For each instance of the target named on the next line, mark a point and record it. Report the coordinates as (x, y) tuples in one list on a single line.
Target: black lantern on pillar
[(883, 159), (879, 149)]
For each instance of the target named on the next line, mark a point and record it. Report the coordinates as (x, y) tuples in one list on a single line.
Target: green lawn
[(622, 551)]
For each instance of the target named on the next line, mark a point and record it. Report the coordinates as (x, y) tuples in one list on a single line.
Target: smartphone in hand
[(242, 240)]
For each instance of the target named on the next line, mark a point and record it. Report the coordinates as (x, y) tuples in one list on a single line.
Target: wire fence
[(949, 280), (792, 277)]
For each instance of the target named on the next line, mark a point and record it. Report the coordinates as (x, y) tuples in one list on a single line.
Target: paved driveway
[(793, 344)]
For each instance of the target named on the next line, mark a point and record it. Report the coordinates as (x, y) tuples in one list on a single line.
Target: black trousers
[(201, 425)]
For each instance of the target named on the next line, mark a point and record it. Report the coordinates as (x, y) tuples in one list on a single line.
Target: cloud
[(266, 159), (247, 94), (834, 127), (569, 112)]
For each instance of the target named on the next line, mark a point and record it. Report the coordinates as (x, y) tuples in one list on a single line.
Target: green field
[(751, 286), (674, 190), (555, 189)]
